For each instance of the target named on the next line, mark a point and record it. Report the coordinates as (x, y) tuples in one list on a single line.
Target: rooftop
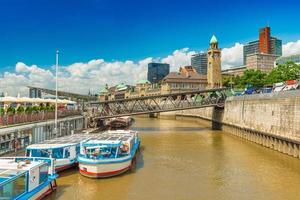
[(213, 40)]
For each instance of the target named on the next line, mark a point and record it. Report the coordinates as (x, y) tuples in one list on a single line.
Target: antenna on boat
[(56, 85)]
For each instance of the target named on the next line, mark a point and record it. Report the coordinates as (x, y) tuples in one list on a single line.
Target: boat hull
[(43, 192), (106, 169), (65, 167)]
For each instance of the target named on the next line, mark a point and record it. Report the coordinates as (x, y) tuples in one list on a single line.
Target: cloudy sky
[(102, 41)]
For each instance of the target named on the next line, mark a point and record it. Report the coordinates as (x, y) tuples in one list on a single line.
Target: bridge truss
[(159, 103)]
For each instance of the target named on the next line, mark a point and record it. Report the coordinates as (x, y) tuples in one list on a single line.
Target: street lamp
[(56, 85)]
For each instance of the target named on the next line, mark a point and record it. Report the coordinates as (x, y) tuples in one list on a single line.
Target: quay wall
[(271, 120)]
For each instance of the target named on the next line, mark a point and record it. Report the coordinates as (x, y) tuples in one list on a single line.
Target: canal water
[(184, 160)]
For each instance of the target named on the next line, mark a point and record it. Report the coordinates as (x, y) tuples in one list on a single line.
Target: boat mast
[(56, 85)]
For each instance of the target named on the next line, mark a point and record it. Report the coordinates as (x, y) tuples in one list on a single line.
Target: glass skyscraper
[(265, 44), (157, 71), (199, 62)]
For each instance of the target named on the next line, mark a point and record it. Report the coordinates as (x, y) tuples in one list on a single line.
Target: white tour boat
[(26, 178), (108, 154), (63, 150)]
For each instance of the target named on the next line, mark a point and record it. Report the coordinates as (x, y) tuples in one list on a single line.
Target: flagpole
[(56, 85)]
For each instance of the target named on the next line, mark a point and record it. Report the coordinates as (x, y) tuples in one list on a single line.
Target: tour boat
[(109, 154), (63, 150), (26, 178), (119, 122)]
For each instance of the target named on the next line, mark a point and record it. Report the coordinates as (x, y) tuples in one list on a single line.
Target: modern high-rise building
[(199, 62), (157, 71), (266, 44), (35, 93), (264, 40)]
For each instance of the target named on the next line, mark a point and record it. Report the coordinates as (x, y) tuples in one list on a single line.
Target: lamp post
[(56, 85)]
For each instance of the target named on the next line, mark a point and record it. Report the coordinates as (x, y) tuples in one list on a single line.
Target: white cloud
[(81, 77), (233, 56), (291, 48), (179, 58)]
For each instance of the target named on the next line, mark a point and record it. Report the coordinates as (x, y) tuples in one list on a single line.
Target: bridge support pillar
[(217, 118)]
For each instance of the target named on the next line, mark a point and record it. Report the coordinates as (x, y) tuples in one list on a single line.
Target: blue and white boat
[(26, 178), (63, 150), (108, 154)]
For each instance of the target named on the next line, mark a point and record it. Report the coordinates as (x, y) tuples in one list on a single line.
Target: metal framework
[(159, 103)]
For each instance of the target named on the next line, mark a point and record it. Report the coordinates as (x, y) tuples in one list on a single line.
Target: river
[(184, 160)]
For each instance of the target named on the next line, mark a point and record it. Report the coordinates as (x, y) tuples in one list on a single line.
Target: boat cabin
[(21, 178), (112, 144), (58, 148)]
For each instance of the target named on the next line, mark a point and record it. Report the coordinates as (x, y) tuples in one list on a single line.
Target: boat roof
[(70, 140), (110, 138), (10, 168), (60, 142)]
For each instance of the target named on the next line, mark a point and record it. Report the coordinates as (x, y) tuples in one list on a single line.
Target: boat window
[(40, 153), (14, 188), (28, 153), (77, 149), (67, 152), (43, 173), (103, 152), (57, 153)]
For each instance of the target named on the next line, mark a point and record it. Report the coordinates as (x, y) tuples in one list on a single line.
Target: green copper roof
[(121, 86), (104, 90), (213, 40), (144, 82)]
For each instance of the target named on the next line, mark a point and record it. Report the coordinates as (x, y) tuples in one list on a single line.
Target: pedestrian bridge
[(159, 103)]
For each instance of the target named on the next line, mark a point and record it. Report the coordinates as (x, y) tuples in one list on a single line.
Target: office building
[(35, 93), (265, 44), (186, 80), (292, 58), (261, 61), (199, 62), (157, 71)]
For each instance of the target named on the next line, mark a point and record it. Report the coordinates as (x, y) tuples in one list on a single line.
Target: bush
[(28, 109), (11, 110), (20, 110), (35, 109), (2, 111)]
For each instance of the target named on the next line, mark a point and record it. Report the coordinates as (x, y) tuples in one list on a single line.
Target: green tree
[(284, 72), (255, 78)]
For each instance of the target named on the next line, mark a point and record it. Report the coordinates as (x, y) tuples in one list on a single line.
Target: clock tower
[(214, 77)]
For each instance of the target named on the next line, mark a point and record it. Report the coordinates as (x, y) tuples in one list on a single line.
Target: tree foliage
[(281, 73), (257, 79)]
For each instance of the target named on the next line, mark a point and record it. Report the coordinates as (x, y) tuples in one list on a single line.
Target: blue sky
[(31, 30), (109, 42)]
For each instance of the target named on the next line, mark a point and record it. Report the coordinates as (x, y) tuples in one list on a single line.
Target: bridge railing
[(159, 103)]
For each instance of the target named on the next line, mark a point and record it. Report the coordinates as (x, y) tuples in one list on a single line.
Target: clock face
[(216, 55)]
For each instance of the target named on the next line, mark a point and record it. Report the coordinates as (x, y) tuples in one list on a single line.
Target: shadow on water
[(159, 129), (58, 193)]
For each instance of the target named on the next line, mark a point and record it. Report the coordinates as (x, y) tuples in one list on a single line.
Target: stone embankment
[(271, 120)]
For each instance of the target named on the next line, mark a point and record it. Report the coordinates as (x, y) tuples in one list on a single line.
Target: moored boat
[(119, 122), (26, 178), (63, 150), (109, 154)]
